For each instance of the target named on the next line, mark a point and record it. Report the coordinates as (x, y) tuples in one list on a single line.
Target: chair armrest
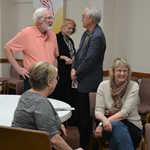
[(147, 135), (147, 118)]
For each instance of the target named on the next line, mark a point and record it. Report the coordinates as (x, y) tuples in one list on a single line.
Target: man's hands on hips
[(23, 72)]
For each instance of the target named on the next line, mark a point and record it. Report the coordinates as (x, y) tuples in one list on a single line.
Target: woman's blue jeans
[(119, 138)]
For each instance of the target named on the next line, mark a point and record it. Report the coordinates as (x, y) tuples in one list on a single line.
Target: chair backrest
[(92, 101), (144, 106), (23, 139), (13, 72), (144, 92), (147, 135)]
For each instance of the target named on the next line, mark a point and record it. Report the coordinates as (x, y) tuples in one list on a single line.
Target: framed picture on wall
[(58, 9)]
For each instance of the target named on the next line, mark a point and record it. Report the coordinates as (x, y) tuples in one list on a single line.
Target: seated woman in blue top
[(34, 111), (117, 108)]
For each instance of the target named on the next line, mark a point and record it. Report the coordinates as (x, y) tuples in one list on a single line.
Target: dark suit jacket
[(88, 61)]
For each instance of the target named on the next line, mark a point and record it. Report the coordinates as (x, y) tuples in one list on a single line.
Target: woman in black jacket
[(66, 53)]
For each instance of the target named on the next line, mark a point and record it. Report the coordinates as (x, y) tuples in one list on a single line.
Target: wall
[(0, 32), (130, 32), (138, 44), (15, 15), (14, 22), (108, 21), (0, 24), (125, 23), (8, 22), (5, 67)]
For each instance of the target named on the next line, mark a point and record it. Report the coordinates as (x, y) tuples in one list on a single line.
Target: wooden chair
[(99, 143), (23, 139), (144, 106), (3, 84), (73, 136), (147, 136), (15, 82)]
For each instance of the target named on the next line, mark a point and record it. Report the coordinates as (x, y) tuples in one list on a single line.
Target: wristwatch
[(100, 124)]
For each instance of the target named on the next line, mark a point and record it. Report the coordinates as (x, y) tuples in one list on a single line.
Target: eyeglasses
[(49, 17), (122, 70)]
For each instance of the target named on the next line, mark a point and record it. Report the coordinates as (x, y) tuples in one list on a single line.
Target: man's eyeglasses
[(49, 17)]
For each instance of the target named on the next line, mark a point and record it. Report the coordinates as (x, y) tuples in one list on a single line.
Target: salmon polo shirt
[(35, 46)]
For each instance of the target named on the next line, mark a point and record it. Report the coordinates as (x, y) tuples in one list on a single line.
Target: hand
[(63, 57), (63, 129), (107, 125), (98, 131), (45, 3), (79, 148), (73, 74), (69, 61), (23, 72)]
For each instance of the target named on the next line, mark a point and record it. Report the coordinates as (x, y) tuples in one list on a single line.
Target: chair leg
[(147, 118), (95, 143), (4, 86), (143, 143), (7, 89), (91, 143)]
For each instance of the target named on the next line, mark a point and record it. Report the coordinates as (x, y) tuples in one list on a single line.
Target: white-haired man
[(87, 69), (37, 43)]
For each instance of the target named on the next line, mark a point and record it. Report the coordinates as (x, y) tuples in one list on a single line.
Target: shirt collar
[(39, 34)]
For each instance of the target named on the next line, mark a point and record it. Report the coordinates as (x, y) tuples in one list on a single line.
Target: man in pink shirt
[(37, 43)]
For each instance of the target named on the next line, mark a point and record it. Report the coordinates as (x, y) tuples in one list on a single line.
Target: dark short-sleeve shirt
[(36, 112)]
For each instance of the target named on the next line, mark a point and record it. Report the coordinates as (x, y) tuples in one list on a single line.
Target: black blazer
[(62, 46), (88, 61), (64, 70)]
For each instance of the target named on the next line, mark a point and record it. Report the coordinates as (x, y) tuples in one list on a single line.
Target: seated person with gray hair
[(34, 111)]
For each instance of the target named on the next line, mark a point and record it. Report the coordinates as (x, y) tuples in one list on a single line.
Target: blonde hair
[(119, 62), (40, 73), (69, 21)]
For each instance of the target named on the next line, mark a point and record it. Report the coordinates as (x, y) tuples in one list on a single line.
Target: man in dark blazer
[(87, 69)]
